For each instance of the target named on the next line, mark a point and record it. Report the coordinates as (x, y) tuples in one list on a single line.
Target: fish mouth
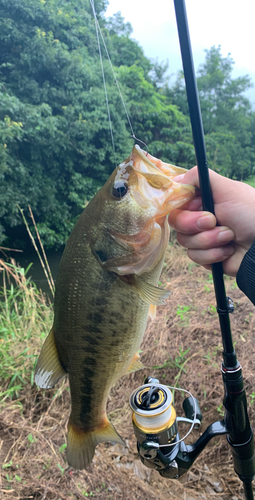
[(156, 184), (156, 194), (154, 190), (155, 164)]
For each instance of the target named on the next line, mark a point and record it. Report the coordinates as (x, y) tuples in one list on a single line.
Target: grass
[(25, 319), (250, 181), (33, 427)]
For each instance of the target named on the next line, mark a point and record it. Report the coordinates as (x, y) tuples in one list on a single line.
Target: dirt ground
[(181, 346)]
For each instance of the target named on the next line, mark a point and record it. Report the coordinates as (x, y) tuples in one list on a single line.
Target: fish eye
[(120, 189)]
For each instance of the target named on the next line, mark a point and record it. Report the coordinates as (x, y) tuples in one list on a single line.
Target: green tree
[(155, 120), (227, 114), (55, 140)]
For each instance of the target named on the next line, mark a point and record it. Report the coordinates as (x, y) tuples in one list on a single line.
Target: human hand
[(234, 205)]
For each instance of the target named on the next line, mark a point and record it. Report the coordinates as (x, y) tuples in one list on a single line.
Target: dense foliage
[(55, 144), (228, 117)]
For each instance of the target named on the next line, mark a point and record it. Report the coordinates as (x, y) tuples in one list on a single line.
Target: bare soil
[(33, 429)]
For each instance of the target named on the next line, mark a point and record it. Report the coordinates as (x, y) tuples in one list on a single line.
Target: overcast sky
[(229, 23)]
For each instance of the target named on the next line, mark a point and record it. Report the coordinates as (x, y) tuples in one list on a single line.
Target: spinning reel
[(159, 444)]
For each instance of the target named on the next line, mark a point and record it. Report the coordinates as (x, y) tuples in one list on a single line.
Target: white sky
[(229, 23)]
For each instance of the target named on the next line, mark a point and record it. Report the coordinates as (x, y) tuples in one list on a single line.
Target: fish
[(106, 288)]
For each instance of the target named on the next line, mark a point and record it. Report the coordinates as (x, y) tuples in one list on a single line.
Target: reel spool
[(156, 427), (154, 417)]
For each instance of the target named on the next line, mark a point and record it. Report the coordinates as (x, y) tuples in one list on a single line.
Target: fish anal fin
[(136, 364), (81, 444), (149, 293), (152, 311), (48, 369)]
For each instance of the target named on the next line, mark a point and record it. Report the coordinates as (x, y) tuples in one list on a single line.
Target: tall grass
[(25, 319)]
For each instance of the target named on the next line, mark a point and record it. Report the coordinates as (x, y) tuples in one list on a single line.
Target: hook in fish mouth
[(142, 142)]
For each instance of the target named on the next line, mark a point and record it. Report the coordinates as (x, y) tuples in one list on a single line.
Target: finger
[(220, 235), (217, 182), (206, 257), (194, 205), (188, 222), (191, 177)]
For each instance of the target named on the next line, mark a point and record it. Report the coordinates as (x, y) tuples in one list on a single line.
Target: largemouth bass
[(105, 289)]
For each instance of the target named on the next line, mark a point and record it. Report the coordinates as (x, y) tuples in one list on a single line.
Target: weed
[(212, 309), (31, 439), (183, 313), (210, 357), (174, 363), (221, 410), (234, 285), (62, 447), (209, 278), (190, 266), (182, 310), (247, 320), (24, 315), (252, 398), (5, 466), (61, 469)]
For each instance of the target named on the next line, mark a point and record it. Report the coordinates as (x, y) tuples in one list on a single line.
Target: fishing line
[(102, 67), (98, 30), (116, 81), (142, 142)]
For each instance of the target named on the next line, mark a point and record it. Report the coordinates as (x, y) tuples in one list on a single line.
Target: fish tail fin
[(81, 444)]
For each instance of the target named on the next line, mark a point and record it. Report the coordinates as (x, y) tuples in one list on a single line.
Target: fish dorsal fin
[(48, 369), (150, 293)]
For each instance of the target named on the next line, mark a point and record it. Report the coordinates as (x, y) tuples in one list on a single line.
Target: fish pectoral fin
[(136, 364), (152, 311), (150, 293), (48, 368), (81, 444)]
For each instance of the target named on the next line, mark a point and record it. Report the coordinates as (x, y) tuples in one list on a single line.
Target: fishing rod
[(154, 418)]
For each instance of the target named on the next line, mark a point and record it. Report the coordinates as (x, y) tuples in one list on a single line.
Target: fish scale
[(105, 289)]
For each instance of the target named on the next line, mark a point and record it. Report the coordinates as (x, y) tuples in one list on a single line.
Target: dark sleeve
[(245, 277)]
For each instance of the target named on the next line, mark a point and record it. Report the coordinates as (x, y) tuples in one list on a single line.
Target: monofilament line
[(116, 81), (110, 62), (102, 67)]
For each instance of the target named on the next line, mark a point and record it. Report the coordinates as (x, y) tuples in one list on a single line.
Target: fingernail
[(178, 178), (207, 221), (227, 251), (225, 235)]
